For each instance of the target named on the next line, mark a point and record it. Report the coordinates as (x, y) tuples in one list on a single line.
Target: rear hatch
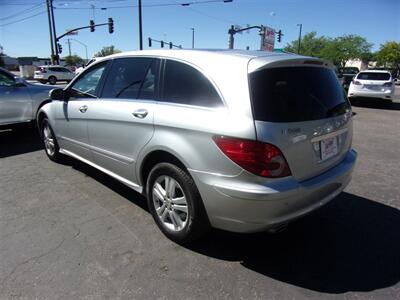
[(373, 81), (300, 107)]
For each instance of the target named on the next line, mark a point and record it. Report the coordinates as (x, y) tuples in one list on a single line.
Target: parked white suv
[(373, 84), (52, 74)]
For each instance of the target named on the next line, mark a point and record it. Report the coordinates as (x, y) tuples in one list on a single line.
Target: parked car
[(372, 83), (238, 140), (19, 100), (346, 75), (53, 74)]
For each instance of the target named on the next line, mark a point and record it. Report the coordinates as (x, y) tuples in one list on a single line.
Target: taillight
[(259, 158), (355, 82), (387, 84)]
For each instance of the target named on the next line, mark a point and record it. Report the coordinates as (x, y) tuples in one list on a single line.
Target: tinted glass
[(131, 78), (87, 84), (6, 80), (373, 76), (186, 85), (295, 94)]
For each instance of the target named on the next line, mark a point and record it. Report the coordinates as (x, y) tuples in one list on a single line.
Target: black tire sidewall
[(193, 227), (51, 78)]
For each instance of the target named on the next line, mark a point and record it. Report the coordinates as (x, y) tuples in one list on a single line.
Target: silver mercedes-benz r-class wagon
[(237, 140)]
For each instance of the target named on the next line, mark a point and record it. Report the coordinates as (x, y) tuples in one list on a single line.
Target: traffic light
[(110, 25), (162, 44), (59, 48), (149, 42), (279, 35), (92, 26)]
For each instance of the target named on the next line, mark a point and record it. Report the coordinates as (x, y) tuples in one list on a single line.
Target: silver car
[(19, 100), (237, 140)]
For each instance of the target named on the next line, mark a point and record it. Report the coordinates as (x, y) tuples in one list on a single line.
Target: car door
[(71, 115), (15, 100), (121, 122)]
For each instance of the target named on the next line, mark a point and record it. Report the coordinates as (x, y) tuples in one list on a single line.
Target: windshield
[(373, 76), (294, 94)]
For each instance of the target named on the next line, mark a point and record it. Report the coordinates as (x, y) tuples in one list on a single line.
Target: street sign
[(268, 39), (72, 33)]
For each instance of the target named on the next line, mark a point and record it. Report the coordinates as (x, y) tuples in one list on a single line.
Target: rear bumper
[(388, 94), (248, 207)]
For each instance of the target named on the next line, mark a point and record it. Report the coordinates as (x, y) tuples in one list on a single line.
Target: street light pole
[(140, 25), (84, 45), (192, 37), (299, 46), (69, 46)]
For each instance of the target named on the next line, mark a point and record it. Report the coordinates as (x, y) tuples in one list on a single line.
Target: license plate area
[(328, 148)]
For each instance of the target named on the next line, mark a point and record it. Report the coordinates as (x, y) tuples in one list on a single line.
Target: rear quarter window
[(186, 85), (295, 94)]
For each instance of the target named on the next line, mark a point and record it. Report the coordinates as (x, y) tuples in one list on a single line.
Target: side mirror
[(58, 94), (19, 82)]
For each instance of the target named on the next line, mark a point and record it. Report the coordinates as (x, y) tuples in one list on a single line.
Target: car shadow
[(108, 181), (19, 140), (375, 103), (351, 244)]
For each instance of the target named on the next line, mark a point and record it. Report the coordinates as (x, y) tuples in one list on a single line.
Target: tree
[(73, 60), (338, 50), (388, 55), (107, 50), (311, 45), (344, 48)]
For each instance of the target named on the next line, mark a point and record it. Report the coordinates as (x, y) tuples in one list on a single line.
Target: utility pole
[(50, 31), (140, 25), (298, 48), (192, 37), (57, 57), (231, 40), (69, 46)]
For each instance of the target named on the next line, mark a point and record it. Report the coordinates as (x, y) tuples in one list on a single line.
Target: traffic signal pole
[(56, 50), (140, 25), (50, 31)]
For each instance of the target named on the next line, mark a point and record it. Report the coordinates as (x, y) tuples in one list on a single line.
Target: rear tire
[(50, 142), (52, 80), (175, 203)]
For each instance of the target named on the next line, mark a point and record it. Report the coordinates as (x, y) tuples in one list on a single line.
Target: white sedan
[(373, 84)]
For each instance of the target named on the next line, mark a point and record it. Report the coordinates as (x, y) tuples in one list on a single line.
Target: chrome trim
[(125, 181), (329, 135), (119, 157)]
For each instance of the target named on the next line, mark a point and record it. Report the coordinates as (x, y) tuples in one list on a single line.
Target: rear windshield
[(295, 94), (373, 76)]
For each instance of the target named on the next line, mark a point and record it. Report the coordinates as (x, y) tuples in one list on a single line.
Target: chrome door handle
[(140, 113), (83, 109)]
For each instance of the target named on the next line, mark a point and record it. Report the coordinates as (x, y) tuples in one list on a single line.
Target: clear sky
[(376, 20)]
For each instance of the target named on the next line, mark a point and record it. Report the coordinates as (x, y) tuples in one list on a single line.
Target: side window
[(186, 85), (6, 80), (87, 84), (131, 78)]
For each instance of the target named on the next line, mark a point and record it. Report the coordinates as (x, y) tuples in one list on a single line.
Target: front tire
[(175, 203), (50, 142)]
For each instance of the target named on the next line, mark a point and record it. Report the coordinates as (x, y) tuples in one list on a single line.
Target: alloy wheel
[(170, 203)]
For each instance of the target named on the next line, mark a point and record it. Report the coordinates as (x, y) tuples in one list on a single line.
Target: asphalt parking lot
[(68, 232)]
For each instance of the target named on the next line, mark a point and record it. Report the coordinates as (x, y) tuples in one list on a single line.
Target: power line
[(24, 11), (23, 19), (150, 5)]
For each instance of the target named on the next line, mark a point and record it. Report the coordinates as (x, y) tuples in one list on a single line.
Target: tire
[(52, 80), (51, 147), (166, 207)]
